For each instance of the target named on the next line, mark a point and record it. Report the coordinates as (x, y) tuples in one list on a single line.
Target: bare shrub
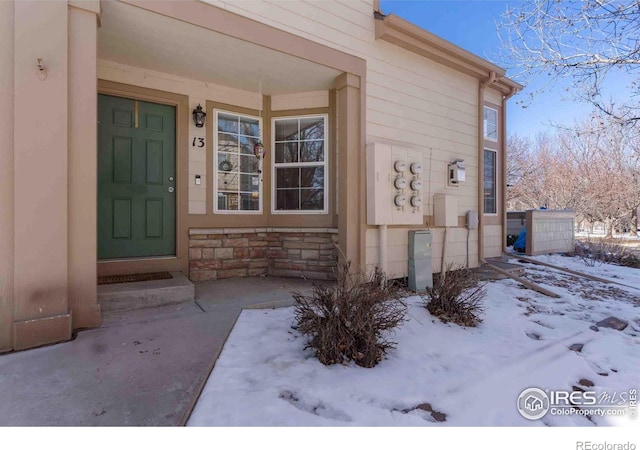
[(598, 251), (351, 320), (583, 250), (629, 259), (456, 296)]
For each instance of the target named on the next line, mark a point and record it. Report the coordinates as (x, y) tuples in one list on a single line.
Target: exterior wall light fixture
[(199, 116)]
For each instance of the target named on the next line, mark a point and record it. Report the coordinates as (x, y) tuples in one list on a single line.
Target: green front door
[(136, 178)]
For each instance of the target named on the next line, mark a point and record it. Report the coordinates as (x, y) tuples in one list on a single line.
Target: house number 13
[(198, 142)]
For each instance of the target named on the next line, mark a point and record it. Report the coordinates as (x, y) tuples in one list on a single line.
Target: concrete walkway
[(142, 367)]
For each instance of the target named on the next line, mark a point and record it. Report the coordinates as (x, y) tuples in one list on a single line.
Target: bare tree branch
[(592, 168), (580, 41)]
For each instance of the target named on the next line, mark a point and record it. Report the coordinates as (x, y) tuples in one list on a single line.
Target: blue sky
[(471, 24)]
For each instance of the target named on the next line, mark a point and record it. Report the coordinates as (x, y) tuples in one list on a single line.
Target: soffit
[(137, 37)]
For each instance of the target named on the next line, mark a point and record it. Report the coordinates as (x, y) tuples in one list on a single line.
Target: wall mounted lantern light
[(199, 116)]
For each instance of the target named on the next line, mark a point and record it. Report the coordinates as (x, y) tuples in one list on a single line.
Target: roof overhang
[(398, 31), (145, 35)]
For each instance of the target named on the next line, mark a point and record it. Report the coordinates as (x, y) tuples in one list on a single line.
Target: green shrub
[(351, 320)]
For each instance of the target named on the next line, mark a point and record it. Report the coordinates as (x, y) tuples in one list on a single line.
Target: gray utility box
[(420, 271)]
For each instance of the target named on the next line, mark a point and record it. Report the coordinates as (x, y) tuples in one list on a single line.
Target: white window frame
[(488, 138), (215, 113), (275, 165), (495, 181)]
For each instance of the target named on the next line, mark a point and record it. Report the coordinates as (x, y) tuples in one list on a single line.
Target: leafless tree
[(519, 171), (582, 41), (592, 168), (540, 174)]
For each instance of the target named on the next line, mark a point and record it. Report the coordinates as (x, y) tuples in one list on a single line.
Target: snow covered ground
[(601, 235), (470, 376)]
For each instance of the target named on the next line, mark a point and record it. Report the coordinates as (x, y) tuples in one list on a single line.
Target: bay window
[(300, 164), (238, 184)]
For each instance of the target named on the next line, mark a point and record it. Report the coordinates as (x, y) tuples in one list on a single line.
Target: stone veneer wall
[(248, 252)]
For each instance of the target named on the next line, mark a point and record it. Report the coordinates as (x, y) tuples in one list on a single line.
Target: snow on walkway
[(264, 377)]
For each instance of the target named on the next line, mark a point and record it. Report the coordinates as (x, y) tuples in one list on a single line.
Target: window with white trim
[(300, 164), (490, 124), (490, 185), (237, 184)]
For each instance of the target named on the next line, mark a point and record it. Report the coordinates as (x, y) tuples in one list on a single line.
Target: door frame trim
[(179, 262)]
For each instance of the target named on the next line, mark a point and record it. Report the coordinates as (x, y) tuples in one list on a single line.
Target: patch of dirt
[(613, 322), (587, 289), (585, 382), (426, 407), (576, 347)]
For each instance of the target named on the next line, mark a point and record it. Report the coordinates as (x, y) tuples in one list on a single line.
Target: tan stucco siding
[(344, 25), (83, 130), (40, 158), (492, 241), (302, 100), (47, 173), (493, 96), (398, 243), (197, 90), (6, 174), (42, 137)]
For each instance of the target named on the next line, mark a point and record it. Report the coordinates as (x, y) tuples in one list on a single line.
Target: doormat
[(133, 278)]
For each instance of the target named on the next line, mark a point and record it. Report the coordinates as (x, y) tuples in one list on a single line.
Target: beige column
[(351, 194), (82, 163), (529, 250), (6, 175), (482, 85), (40, 174)]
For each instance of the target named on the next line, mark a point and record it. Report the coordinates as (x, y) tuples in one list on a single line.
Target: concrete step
[(145, 294), (486, 274)]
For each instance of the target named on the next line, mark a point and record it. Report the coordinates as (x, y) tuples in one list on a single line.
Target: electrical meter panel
[(395, 185), (400, 183), (416, 168)]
